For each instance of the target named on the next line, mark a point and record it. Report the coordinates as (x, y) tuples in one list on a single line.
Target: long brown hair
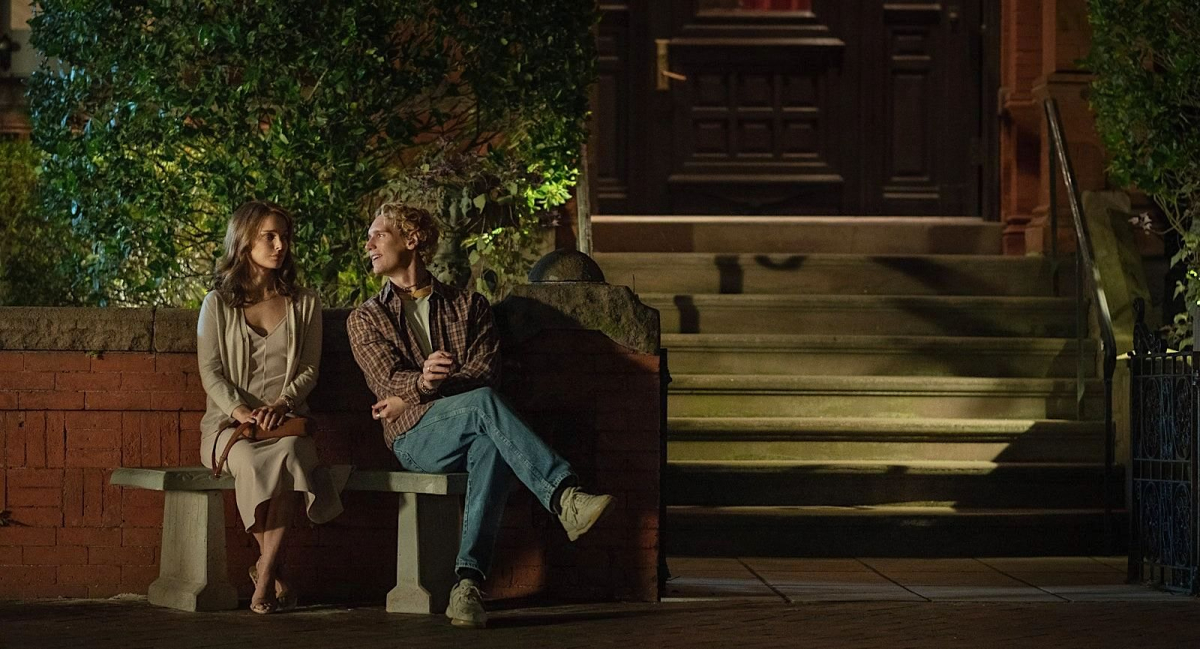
[(233, 275)]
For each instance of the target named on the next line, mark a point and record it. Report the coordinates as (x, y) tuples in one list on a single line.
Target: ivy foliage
[(157, 118), (1146, 97), (35, 255)]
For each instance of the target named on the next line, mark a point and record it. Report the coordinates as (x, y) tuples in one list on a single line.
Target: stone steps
[(797, 234), (887, 482), (823, 274), (842, 439), (848, 386), (887, 531), (865, 315), (743, 395), (837, 355)]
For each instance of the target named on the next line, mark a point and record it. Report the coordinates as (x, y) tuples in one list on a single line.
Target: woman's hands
[(242, 414), (267, 417)]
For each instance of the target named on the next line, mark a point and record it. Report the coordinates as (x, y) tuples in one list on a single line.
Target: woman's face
[(270, 244)]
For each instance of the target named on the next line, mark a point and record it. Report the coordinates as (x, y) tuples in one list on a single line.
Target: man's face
[(388, 250)]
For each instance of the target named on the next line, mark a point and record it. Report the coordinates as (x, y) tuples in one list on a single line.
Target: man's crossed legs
[(478, 432)]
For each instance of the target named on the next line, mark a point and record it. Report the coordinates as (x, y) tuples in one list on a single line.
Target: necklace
[(417, 285), (416, 291)]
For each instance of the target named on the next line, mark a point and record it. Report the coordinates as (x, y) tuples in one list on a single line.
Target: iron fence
[(1163, 472)]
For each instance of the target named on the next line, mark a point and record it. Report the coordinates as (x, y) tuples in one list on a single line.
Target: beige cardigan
[(223, 346)]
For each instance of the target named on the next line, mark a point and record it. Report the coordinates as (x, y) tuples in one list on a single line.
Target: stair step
[(874, 355), (854, 483), (744, 395), (797, 234), (865, 315), (773, 273), (878, 438), (887, 531)]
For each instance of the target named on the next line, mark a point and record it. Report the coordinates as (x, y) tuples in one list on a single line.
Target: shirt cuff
[(426, 394)]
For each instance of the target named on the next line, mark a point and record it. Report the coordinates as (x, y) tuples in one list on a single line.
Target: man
[(430, 354)]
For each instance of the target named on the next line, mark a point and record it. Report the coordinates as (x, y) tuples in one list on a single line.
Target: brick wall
[(68, 418), (1021, 118)]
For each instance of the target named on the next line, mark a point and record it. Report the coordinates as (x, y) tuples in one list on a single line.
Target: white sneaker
[(580, 511), (466, 605)]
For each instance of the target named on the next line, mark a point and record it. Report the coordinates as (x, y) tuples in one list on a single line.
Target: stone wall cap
[(89, 329), (614, 311), (565, 265)]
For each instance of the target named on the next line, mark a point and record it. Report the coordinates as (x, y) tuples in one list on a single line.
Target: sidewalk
[(1075, 602), (796, 581)]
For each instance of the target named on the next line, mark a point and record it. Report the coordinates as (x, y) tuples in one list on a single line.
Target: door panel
[(746, 123), (928, 112), (790, 107), (614, 105), (746, 131)]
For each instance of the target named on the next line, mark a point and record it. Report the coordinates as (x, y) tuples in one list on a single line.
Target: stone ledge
[(614, 311), (175, 330), (160, 330), (77, 329)]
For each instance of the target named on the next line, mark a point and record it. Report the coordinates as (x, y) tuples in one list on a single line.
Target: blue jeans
[(478, 432)]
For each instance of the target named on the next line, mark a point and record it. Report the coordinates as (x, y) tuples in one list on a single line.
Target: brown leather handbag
[(291, 427)]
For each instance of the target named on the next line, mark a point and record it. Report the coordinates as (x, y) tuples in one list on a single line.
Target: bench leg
[(192, 573), (427, 540)]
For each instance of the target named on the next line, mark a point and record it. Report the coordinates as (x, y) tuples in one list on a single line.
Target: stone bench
[(192, 567)]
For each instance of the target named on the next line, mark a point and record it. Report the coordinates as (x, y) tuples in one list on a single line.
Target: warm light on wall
[(17, 57), (19, 14)]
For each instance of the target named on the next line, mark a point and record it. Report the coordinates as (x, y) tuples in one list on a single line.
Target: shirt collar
[(387, 292)]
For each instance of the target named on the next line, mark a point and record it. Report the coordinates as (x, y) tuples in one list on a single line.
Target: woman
[(259, 346)]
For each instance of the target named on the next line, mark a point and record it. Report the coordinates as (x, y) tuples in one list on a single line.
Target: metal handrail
[(1085, 272)]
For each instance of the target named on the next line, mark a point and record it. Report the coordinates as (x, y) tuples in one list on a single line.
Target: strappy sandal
[(285, 600), (264, 608)]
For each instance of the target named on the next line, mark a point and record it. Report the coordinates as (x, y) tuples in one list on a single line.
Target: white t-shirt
[(416, 314)]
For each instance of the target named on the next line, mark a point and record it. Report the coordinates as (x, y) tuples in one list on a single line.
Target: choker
[(414, 293)]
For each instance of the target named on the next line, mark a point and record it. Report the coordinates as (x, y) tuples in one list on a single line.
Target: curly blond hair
[(409, 220)]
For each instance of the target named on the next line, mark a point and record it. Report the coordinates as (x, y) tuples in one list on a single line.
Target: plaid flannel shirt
[(386, 349)]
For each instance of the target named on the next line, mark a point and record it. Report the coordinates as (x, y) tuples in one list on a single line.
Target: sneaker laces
[(470, 591), (567, 502)]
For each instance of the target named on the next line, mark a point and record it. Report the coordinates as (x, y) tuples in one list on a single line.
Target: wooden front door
[(792, 107)]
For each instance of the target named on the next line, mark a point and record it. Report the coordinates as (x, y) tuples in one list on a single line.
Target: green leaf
[(158, 132)]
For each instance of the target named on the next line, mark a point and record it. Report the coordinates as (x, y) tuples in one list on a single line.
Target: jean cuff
[(555, 482), (467, 563)]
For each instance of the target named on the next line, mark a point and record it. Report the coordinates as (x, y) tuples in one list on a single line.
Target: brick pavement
[(131, 624), (712, 602)]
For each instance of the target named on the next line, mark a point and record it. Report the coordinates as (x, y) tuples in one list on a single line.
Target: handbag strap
[(243, 431)]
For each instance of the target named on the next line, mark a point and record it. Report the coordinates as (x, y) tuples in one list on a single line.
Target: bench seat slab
[(192, 568)]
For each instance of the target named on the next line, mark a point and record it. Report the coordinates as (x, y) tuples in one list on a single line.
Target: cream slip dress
[(270, 467)]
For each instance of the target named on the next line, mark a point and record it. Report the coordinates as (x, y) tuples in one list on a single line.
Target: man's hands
[(437, 367), (389, 409), (267, 417)]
